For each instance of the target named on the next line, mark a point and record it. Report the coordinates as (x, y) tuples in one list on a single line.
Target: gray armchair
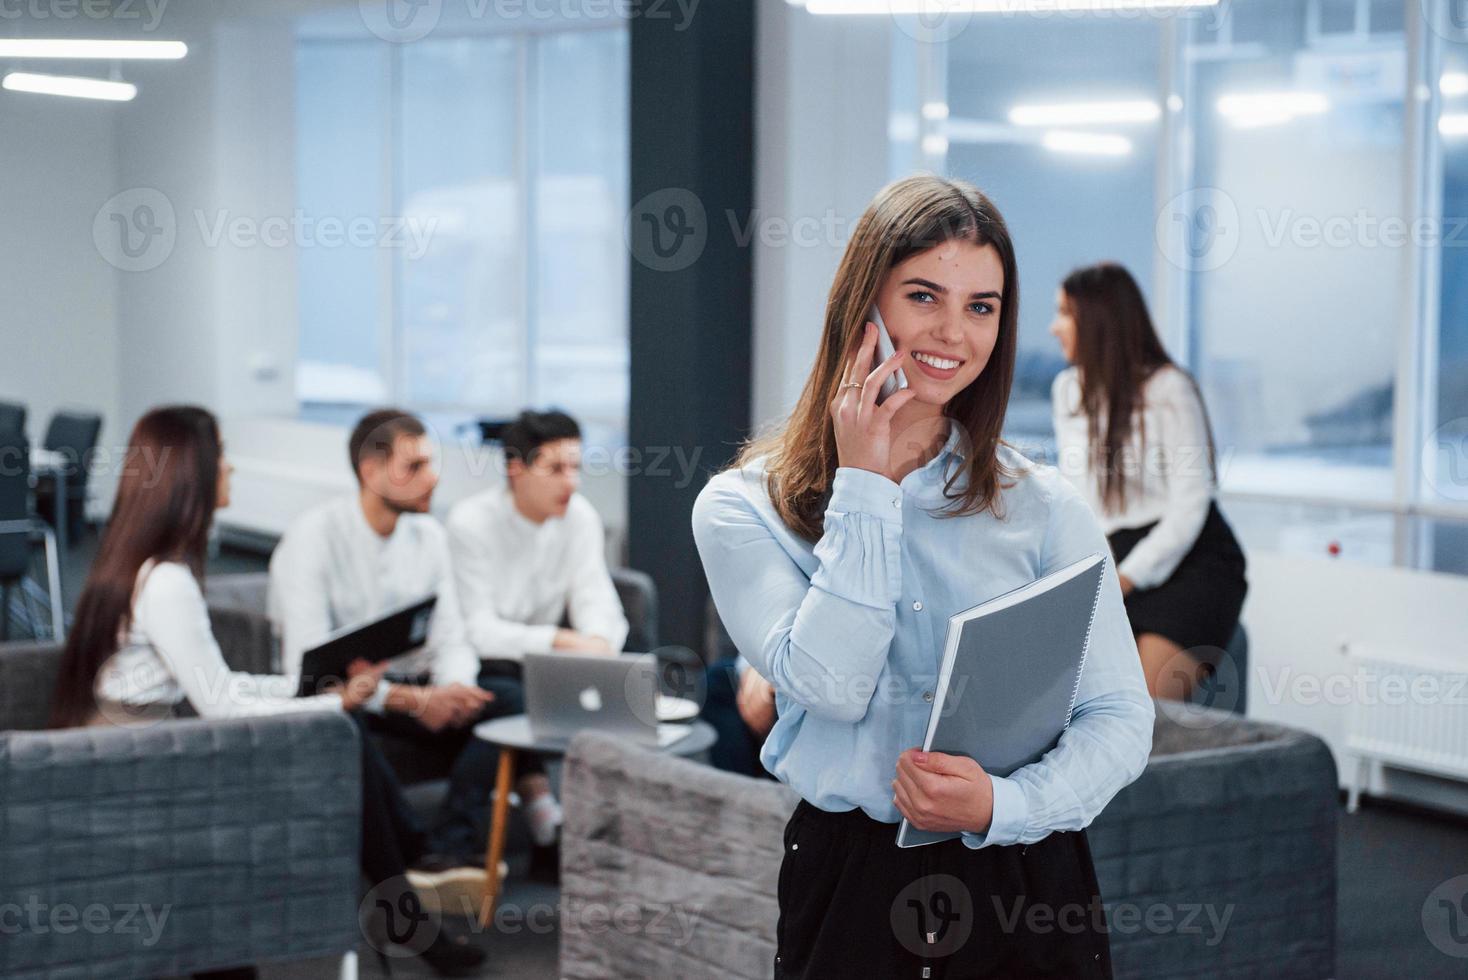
[(184, 846)]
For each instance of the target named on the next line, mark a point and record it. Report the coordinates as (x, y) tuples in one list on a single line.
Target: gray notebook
[(1009, 676)]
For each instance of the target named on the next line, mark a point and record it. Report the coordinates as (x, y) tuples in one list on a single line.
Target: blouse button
[(927, 695), (896, 501), (917, 606)]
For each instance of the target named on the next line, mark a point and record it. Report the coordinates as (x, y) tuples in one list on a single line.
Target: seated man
[(531, 552), (350, 560)]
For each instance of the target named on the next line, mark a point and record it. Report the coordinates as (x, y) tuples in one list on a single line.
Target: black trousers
[(853, 903), (472, 762), (391, 837)]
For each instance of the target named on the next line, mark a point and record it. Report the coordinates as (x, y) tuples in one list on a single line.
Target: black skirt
[(1198, 606), (854, 904)]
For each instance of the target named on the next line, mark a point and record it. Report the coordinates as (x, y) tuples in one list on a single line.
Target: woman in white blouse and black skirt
[(1150, 476)]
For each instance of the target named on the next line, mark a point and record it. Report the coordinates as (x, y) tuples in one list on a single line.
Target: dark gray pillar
[(692, 164)]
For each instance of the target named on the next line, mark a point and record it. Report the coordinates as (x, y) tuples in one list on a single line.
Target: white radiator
[(1406, 711)]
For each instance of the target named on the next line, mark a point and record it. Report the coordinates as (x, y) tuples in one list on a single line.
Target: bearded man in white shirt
[(350, 560)]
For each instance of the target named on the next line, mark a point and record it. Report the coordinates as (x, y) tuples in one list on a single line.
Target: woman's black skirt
[(1198, 606), (854, 904)]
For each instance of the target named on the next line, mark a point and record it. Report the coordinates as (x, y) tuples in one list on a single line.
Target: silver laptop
[(566, 692)]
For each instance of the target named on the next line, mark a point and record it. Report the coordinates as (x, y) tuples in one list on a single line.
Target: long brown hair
[(907, 217), (1116, 350), (165, 504)]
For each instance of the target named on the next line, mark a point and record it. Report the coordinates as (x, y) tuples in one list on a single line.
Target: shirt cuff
[(542, 639), (377, 703), (1138, 570), (858, 491), (1008, 820)]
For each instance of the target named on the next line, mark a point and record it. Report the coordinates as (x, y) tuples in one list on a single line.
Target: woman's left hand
[(1126, 585), (937, 791)]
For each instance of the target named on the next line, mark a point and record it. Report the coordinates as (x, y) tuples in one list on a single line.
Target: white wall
[(58, 334), (821, 95), (1299, 613)]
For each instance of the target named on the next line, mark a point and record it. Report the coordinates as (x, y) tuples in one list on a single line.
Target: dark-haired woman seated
[(1132, 435), (142, 647)]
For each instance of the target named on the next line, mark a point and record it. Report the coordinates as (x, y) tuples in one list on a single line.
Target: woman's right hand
[(361, 683), (864, 428)]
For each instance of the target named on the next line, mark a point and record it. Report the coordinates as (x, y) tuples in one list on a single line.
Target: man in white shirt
[(532, 551), (527, 555), (350, 560)]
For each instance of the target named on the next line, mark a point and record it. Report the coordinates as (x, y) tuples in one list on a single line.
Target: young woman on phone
[(141, 647), (1149, 476), (837, 547)]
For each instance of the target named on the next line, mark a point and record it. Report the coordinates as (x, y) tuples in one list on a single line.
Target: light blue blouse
[(850, 632)]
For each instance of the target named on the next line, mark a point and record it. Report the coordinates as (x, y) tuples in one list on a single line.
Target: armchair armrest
[(188, 845)]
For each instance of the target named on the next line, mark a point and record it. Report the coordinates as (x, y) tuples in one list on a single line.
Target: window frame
[(391, 332)]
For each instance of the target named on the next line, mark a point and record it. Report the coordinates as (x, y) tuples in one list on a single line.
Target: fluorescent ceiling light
[(932, 7), (108, 50), (1096, 144), (1255, 109), (935, 110), (1454, 83), (1453, 124), (80, 88), (935, 145), (1085, 113)]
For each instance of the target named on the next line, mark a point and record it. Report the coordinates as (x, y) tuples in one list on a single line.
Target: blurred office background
[(456, 208)]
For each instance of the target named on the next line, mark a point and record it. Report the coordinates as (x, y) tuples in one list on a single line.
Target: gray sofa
[(187, 845), (669, 868)]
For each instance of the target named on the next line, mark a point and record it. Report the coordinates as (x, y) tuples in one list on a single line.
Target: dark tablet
[(394, 633)]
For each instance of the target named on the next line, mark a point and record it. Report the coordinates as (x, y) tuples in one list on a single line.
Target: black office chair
[(20, 535), (12, 421), (73, 435)]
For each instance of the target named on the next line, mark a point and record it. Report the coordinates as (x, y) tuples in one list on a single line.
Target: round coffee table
[(511, 735)]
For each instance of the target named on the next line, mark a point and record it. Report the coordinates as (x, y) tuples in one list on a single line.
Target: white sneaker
[(453, 891)]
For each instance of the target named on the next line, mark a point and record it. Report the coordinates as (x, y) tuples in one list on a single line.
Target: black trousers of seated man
[(458, 831)]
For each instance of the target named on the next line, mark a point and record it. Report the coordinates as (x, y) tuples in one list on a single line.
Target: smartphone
[(895, 381)]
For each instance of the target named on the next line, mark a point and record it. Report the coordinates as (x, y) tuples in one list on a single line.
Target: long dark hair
[(165, 504), (907, 217), (1116, 350)]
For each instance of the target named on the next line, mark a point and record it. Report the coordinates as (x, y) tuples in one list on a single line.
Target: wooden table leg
[(495, 852)]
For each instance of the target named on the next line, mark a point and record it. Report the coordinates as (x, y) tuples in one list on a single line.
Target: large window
[(1298, 223), (496, 167), (1067, 203)]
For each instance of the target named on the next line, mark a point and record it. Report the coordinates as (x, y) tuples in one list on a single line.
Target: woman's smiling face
[(941, 307)]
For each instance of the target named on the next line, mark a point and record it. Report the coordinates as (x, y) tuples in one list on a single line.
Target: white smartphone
[(895, 381)]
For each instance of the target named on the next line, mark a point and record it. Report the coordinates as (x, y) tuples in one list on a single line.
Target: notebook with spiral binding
[(1009, 676)]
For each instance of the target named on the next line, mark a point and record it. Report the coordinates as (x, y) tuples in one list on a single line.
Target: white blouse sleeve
[(170, 612), (1177, 452), (820, 640), (592, 601)]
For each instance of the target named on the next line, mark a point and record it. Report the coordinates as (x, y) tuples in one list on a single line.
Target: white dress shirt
[(850, 631), (169, 654), (517, 578), (331, 570), (1169, 478)]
